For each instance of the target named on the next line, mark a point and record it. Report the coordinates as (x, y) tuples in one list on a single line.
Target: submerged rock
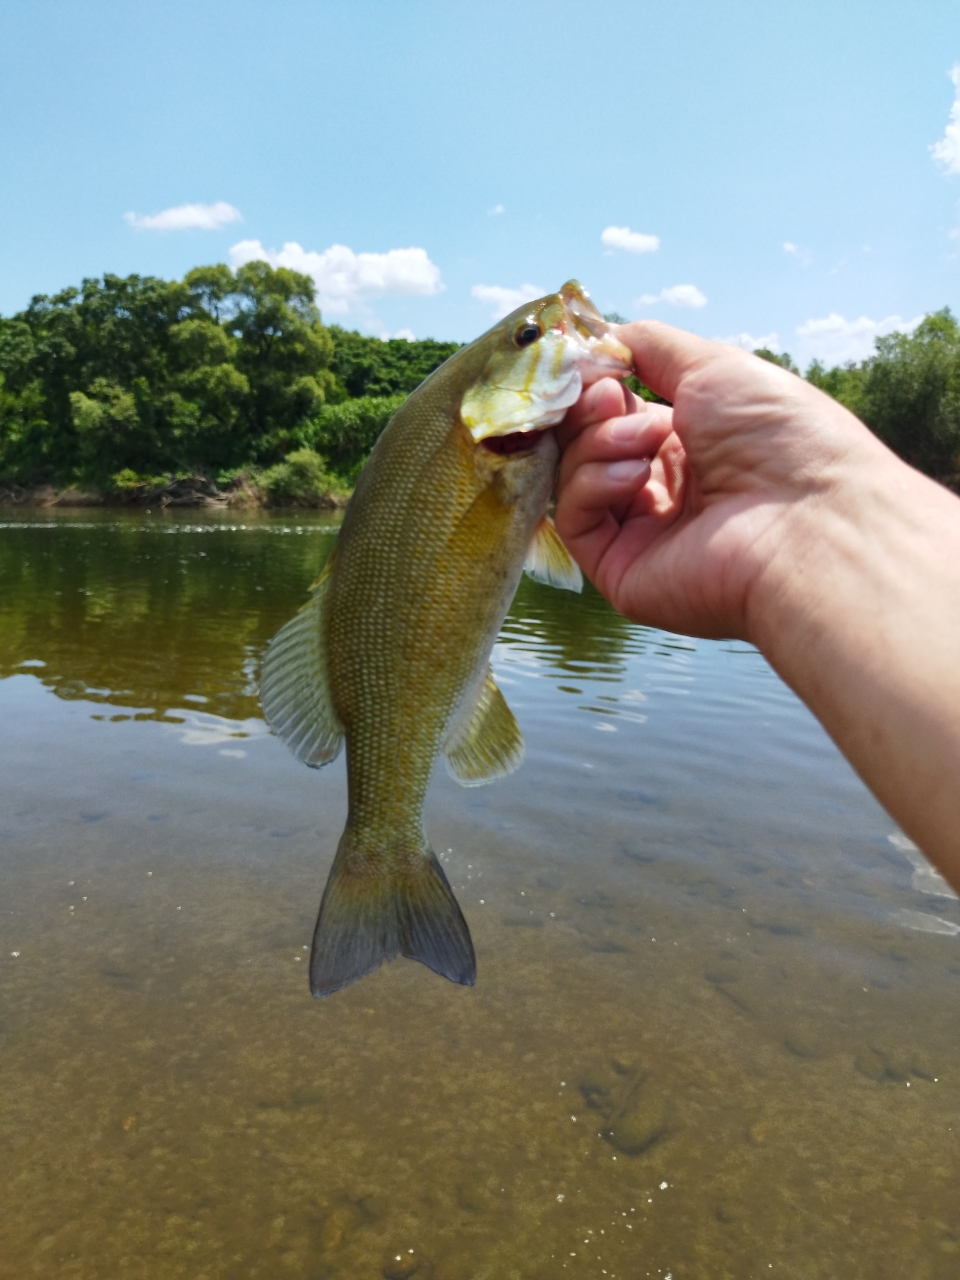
[(897, 1065), (604, 946), (339, 1223), (624, 1065), (635, 1114), (803, 1042), (641, 1123), (758, 1133), (870, 1063)]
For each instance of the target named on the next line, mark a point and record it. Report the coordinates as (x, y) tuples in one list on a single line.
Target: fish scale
[(392, 653)]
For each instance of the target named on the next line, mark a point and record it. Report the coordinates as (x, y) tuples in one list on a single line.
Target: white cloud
[(749, 343), (946, 152), (803, 256), (505, 300), (343, 278), (407, 334), (631, 241), (835, 340), (186, 217), (497, 208), (678, 295)]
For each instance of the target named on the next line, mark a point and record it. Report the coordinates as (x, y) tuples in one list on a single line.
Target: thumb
[(664, 355)]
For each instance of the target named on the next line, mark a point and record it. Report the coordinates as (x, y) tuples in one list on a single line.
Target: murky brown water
[(715, 1027)]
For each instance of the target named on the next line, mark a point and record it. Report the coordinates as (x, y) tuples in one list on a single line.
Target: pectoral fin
[(295, 683), (486, 742), (549, 561)]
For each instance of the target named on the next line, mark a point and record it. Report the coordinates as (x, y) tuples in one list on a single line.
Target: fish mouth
[(513, 442)]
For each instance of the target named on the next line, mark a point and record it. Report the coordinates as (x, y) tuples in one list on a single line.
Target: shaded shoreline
[(193, 491)]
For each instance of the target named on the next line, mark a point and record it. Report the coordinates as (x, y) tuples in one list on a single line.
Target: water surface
[(714, 1032)]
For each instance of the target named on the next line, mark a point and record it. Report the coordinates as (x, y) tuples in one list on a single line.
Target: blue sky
[(499, 141)]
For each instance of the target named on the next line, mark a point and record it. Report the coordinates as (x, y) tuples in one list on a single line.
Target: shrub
[(346, 432), (300, 480)]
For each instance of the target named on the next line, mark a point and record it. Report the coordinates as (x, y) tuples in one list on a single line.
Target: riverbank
[(192, 491)]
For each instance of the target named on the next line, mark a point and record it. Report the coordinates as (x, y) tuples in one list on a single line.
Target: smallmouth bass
[(392, 652)]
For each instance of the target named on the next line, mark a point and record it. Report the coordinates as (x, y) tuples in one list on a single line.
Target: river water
[(715, 1027)]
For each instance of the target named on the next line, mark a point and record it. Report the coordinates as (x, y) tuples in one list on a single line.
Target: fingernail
[(627, 429), (628, 469)]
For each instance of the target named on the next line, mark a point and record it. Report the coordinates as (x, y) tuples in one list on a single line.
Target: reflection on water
[(135, 612), (715, 1027)]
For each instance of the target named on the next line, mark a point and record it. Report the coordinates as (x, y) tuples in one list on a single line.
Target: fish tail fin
[(375, 908)]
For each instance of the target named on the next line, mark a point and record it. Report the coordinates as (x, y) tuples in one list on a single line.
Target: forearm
[(859, 612)]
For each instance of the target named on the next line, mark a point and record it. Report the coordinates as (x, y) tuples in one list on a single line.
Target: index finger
[(605, 399)]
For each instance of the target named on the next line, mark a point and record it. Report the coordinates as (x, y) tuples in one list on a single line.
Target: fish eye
[(527, 333)]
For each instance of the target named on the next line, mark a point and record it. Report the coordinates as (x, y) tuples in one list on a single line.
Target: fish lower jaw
[(514, 442)]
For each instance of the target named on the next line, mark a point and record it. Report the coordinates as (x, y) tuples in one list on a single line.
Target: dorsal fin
[(485, 742), (549, 561), (295, 683)]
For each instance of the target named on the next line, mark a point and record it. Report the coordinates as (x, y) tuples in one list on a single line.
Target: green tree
[(781, 358), (108, 342), (156, 376), (367, 366), (210, 288), (283, 351), (345, 433), (911, 395), (844, 383)]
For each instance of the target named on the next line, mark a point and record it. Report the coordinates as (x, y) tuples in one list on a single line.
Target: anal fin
[(295, 684), (485, 742), (549, 561)]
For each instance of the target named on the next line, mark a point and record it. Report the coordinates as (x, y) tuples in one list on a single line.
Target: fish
[(391, 654)]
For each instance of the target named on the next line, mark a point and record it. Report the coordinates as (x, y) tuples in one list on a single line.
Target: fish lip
[(602, 356), (609, 358)]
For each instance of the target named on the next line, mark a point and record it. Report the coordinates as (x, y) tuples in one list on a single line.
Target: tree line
[(125, 381), (907, 392), (130, 382)]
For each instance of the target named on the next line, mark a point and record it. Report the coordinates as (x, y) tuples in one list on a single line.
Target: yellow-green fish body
[(392, 653)]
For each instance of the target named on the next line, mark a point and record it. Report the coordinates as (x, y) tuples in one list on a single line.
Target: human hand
[(685, 517), (758, 507)]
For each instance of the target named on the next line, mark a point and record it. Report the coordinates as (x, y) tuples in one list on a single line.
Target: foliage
[(160, 376), (300, 480), (782, 358), (217, 373), (373, 367), (909, 394), (844, 383), (345, 433), (129, 384)]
